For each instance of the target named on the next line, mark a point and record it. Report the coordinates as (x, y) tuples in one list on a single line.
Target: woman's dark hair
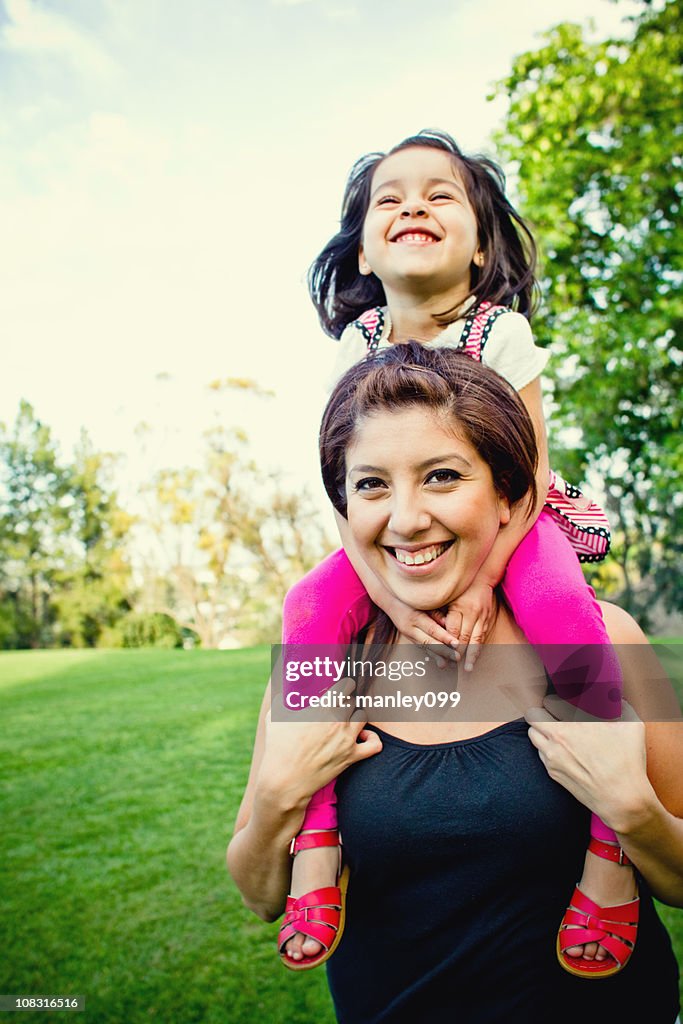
[(340, 293), (472, 398)]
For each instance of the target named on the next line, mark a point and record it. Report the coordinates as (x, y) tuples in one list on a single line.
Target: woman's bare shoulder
[(622, 628)]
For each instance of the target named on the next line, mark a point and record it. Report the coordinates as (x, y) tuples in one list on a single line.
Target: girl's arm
[(629, 773), (520, 523), (418, 626), (291, 761), (469, 615)]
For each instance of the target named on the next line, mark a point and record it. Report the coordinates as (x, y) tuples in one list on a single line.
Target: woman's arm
[(629, 773), (291, 761)]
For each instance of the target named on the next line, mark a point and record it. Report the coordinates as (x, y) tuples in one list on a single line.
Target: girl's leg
[(329, 606), (561, 618)]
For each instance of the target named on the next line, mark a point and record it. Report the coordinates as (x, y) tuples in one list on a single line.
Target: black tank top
[(463, 858)]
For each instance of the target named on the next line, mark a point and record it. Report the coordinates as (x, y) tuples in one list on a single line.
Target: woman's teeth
[(420, 557)]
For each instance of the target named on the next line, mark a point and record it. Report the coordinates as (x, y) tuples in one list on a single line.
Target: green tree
[(94, 589), (592, 137), (34, 524), (64, 572), (231, 541)]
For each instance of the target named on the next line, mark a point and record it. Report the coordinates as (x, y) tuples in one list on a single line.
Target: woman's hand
[(293, 757), (469, 618), (304, 750), (601, 763)]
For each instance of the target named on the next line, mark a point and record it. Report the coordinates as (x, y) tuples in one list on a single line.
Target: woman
[(460, 841)]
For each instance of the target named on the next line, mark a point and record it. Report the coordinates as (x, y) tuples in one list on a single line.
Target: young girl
[(430, 249)]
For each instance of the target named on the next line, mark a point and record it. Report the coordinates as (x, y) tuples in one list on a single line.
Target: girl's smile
[(420, 230)]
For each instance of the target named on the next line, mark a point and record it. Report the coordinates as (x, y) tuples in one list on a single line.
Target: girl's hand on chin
[(306, 749), (469, 618)]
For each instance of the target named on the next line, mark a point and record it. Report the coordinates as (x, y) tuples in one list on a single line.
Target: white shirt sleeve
[(511, 351), (351, 347)]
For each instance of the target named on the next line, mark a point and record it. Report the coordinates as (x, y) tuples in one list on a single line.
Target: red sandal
[(319, 914), (615, 928)]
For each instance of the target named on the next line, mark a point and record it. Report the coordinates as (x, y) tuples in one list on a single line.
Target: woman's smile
[(421, 503), (419, 559)]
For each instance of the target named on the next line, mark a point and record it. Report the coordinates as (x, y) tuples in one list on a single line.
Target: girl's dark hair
[(476, 400), (340, 293)]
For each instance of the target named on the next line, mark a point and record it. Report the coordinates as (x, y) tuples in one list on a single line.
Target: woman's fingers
[(557, 710), (368, 744)]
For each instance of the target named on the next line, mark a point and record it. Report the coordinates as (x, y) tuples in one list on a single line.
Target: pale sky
[(168, 170)]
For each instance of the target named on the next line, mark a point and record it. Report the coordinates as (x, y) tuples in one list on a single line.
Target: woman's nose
[(408, 517)]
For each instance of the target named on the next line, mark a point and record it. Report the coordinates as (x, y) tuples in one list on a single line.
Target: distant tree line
[(208, 561)]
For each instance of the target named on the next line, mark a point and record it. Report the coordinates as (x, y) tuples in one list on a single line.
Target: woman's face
[(422, 506)]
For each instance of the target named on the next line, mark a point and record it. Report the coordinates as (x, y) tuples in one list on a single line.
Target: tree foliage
[(593, 136), (230, 541), (64, 574), (209, 562), (34, 521)]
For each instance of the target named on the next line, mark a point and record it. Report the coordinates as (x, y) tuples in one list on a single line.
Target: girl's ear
[(478, 258), (504, 510), (363, 265)]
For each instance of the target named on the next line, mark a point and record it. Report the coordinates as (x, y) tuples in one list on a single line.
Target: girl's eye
[(386, 200), (369, 483), (443, 476), (440, 195)]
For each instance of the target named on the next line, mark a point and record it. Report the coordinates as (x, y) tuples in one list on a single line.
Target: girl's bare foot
[(608, 884), (312, 869)]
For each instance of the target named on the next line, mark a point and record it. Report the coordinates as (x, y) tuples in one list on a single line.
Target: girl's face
[(420, 231), (422, 506)]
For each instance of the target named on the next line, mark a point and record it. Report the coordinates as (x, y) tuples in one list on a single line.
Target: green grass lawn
[(121, 773)]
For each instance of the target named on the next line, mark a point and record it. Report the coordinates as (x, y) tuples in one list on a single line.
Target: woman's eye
[(443, 476), (368, 483)]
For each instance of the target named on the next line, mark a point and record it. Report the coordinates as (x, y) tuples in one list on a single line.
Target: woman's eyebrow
[(366, 469), (437, 460), (449, 457)]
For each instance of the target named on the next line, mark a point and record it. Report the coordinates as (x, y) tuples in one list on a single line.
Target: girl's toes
[(293, 947), (575, 951), (310, 947), (589, 950), (602, 953)]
